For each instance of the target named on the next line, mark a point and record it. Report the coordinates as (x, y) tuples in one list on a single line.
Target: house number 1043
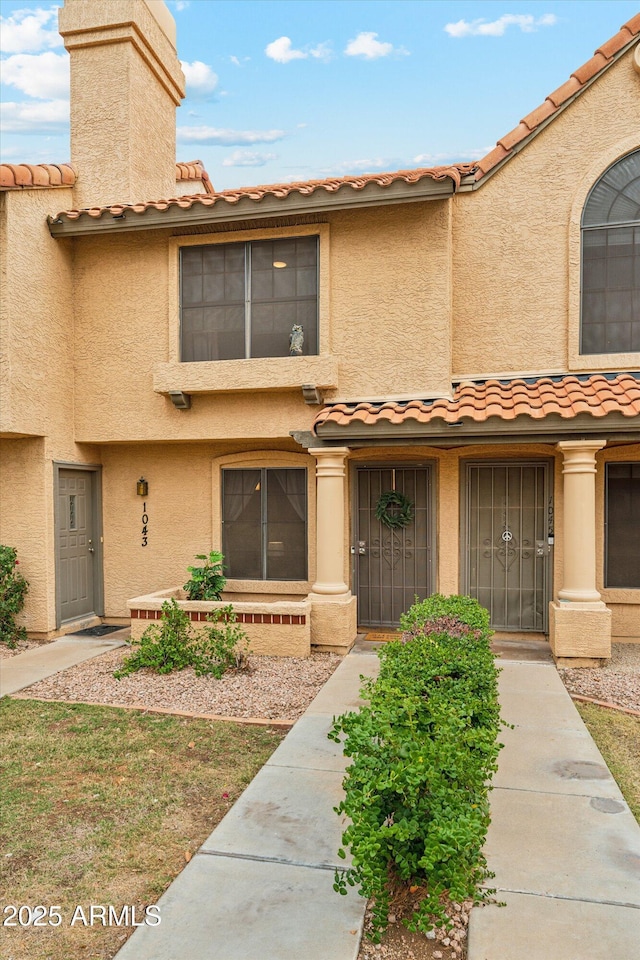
[(145, 524)]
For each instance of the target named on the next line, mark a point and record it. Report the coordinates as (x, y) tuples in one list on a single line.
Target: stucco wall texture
[(511, 237)]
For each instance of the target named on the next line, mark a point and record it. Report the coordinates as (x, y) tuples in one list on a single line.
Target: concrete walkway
[(23, 669), (563, 844)]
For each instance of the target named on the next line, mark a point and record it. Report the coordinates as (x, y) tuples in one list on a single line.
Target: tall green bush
[(423, 750), (13, 589)]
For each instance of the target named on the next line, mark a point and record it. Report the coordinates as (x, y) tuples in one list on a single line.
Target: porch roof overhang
[(543, 410)]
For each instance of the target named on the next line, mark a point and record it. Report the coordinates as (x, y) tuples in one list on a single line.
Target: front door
[(76, 544), (509, 534), (392, 565)]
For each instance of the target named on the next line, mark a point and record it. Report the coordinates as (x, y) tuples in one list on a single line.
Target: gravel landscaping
[(274, 688), (618, 682)]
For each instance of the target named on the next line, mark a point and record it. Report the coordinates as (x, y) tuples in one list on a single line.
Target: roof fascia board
[(471, 432), (223, 211), (468, 184)]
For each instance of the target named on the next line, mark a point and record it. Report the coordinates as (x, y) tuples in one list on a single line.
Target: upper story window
[(253, 299), (611, 261)]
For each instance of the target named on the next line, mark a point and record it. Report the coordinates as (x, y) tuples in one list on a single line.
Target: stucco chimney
[(126, 83)]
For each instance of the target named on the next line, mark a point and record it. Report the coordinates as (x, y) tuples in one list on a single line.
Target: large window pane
[(243, 299), (286, 531), (611, 260), (265, 524), (242, 523), (623, 525)]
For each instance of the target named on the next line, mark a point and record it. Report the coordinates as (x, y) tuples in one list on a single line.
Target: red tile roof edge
[(21, 176), (578, 80), (18, 176), (454, 172), (194, 170), (597, 394)]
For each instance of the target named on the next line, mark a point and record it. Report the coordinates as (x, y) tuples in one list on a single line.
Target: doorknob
[(90, 548), (362, 546)]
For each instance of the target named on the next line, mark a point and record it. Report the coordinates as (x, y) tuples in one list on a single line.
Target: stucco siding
[(511, 237)]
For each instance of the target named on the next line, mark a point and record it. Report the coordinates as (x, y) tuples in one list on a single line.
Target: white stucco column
[(579, 622), (330, 538), (579, 472)]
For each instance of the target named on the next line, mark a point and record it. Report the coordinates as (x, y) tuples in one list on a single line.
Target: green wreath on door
[(394, 510)]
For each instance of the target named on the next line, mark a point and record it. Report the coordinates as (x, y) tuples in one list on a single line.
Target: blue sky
[(296, 89)]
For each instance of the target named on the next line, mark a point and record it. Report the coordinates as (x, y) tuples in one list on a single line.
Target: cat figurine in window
[(296, 340)]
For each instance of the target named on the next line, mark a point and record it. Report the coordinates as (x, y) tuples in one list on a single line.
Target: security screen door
[(509, 532), (392, 566), (75, 544)]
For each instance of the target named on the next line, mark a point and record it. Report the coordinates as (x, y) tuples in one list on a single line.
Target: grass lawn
[(617, 736), (105, 806)]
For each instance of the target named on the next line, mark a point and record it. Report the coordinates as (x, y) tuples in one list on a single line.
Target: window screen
[(610, 320), (264, 533), (622, 525), (243, 299)]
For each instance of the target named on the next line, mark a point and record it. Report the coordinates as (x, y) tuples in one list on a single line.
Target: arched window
[(611, 261)]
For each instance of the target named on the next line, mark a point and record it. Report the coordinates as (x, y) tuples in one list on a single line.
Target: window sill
[(605, 362), (620, 594), (231, 376)]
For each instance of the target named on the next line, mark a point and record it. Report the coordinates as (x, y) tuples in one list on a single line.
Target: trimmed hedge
[(423, 751)]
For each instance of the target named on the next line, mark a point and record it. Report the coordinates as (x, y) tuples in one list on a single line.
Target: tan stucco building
[(470, 342)]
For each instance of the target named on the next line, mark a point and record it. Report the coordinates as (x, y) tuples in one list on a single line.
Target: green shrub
[(423, 750), (13, 589), (208, 581), (174, 645)]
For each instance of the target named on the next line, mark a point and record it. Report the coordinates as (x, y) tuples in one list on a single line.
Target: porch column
[(333, 608), (330, 538), (579, 472), (580, 623)]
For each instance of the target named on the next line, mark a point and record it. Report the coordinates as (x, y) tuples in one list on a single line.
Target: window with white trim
[(264, 523), (610, 320), (243, 300)]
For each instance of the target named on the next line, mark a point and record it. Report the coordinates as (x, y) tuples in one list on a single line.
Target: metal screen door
[(509, 531), (392, 566), (75, 544)]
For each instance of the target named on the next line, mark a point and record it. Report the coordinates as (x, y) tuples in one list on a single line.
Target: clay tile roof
[(307, 188), (553, 103), (563, 396), (17, 176), (23, 175), (194, 170)]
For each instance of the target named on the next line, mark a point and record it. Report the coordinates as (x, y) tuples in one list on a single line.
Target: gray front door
[(509, 531), (76, 544), (392, 566)]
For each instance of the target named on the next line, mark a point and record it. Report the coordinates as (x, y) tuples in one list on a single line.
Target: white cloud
[(367, 46), (41, 75), (248, 158), (201, 80), (346, 167), (46, 116), (322, 52), (227, 138), (181, 5), (27, 31), (282, 51), (497, 28)]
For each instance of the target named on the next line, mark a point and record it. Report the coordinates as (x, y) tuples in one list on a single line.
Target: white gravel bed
[(275, 688), (618, 682)]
